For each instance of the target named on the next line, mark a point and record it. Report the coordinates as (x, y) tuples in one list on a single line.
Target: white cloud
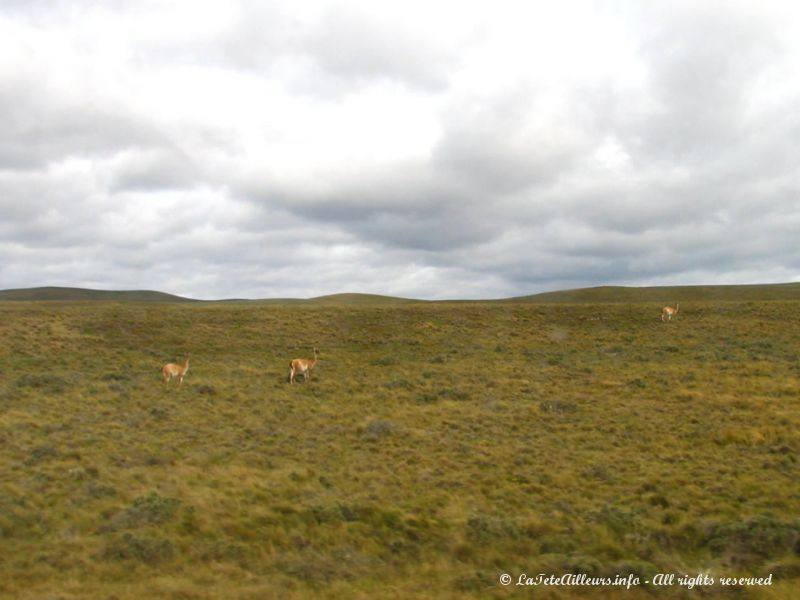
[(427, 149)]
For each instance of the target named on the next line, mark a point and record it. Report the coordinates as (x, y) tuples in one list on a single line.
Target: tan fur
[(170, 370), (668, 312), (302, 366)]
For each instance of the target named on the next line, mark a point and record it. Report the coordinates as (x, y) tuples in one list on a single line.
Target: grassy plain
[(437, 446)]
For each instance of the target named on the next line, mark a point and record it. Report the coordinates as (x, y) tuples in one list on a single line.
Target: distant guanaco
[(668, 312), (302, 365), (170, 370)]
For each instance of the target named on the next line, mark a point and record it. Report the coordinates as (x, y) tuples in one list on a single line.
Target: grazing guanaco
[(302, 365), (170, 370), (668, 312)]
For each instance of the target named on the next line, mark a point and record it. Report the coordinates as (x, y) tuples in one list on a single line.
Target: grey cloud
[(703, 66), (153, 169), (40, 128), (408, 207), (258, 39), (510, 200), (490, 168), (332, 54), (432, 231), (713, 247), (46, 207), (363, 46), (498, 145)]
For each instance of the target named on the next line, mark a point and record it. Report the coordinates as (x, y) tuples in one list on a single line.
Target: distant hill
[(669, 294), (354, 298), (337, 299), (662, 294), (67, 294)]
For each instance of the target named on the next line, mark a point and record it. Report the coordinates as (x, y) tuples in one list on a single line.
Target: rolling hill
[(683, 293), (356, 298), (68, 294), (601, 294)]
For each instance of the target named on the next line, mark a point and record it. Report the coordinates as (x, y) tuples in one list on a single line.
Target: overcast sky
[(427, 149)]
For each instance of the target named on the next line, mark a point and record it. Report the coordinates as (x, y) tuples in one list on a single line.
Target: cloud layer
[(434, 150)]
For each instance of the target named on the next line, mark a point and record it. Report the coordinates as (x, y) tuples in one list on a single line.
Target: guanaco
[(668, 312), (302, 366), (170, 370)]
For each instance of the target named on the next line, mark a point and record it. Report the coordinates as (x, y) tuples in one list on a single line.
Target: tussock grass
[(437, 446)]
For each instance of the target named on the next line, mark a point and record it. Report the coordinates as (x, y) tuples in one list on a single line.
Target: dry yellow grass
[(436, 447)]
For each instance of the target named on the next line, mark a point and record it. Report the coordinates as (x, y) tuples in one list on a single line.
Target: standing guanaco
[(302, 365), (170, 370), (668, 312)]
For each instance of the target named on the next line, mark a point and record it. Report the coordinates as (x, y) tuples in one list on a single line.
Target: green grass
[(436, 446)]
